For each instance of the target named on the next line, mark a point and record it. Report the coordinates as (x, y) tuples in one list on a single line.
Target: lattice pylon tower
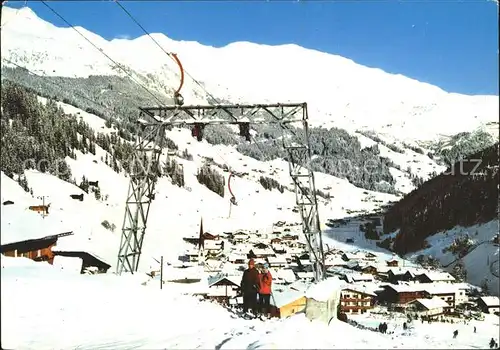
[(299, 161), (144, 167), (295, 142)]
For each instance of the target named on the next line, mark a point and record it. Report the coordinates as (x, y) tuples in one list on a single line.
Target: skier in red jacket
[(266, 280)]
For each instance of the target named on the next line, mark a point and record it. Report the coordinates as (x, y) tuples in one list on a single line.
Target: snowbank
[(324, 290), (107, 311)]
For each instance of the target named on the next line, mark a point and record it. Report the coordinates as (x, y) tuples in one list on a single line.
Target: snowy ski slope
[(482, 263), (106, 311)]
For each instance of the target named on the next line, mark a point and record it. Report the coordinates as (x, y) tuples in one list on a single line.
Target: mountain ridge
[(339, 91)]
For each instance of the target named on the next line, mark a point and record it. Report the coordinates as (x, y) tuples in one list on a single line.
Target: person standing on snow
[(266, 280), (250, 285)]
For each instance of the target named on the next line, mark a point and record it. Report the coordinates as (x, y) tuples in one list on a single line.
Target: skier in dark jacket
[(250, 287)]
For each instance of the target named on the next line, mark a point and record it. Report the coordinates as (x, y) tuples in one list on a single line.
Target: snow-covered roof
[(366, 264), (214, 264), (241, 234), (351, 264), (401, 270), (402, 288), (284, 295), (267, 251), (79, 243), (294, 250), (325, 289), (21, 224), (242, 248), (440, 288), (305, 274), (462, 285), (210, 244), (416, 271), (279, 246), (430, 304), (286, 275), (361, 288), (438, 276), (279, 259), (431, 288), (382, 268), (491, 301), (231, 278), (351, 255), (338, 270), (353, 277), (334, 260), (236, 256)]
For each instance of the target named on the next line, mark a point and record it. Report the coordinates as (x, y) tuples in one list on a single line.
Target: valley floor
[(48, 308)]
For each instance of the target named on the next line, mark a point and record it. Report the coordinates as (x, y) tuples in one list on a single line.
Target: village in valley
[(361, 285)]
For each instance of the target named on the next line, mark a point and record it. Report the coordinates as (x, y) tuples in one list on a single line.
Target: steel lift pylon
[(153, 121)]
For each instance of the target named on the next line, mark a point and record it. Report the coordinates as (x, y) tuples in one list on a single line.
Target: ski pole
[(274, 300)]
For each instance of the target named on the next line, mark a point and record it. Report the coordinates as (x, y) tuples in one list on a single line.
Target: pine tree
[(459, 271), (97, 193), (484, 287), (84, 185)]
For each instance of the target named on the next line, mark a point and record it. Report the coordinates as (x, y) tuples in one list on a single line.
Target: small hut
[(323, 299), (287, 301)]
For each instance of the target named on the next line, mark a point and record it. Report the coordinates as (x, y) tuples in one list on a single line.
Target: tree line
[(36, 135), (466, 194)]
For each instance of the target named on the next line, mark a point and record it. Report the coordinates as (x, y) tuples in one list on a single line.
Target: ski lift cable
[(176, 60), (183, 71), (102, 52), (169, 54)]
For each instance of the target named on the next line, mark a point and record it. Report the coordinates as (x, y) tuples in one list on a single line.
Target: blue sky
[(451, 44)]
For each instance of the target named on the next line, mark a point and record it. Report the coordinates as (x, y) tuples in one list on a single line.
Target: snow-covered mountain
[(354, 100), (339, 92)]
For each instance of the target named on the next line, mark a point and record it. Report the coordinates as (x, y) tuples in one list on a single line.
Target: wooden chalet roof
[(223, 279), (431, 304), (21, 225), (490, 301), (27, 241)]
